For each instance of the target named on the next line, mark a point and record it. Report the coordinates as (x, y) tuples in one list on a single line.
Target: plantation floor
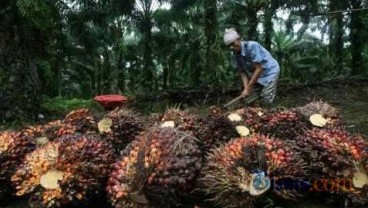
[(350, 97)]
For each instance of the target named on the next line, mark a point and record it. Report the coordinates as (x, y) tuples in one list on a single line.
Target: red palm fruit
[(13, 147), (157, 169), (68, 171), (125, 126), (227, 175)]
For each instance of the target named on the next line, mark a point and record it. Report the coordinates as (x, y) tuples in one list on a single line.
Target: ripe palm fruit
[(78, 121), (215, 128), (120, 127), (328, 112), (228, 177), (286, 124), (68, 171), (155, 170), (13, 147)]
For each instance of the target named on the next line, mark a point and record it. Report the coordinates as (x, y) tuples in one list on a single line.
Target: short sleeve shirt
[(252, 52)]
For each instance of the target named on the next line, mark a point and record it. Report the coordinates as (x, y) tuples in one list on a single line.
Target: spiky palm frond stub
[(78, 121), (156, 169), (226, 177), (65, 172), (329, 112), (13, 147), (125, 126)]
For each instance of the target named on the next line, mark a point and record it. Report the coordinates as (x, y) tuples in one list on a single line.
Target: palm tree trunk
[(336, 36), (356, 38), (268, 24), (211, 34)]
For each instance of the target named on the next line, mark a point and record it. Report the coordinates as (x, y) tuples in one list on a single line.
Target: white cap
[(230, 36)]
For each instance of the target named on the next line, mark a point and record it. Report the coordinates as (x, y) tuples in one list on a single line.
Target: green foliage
[(80, 48), (37, 12), (60, 106)]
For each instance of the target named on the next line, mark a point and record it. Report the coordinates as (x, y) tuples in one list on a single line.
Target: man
[(258, 70)]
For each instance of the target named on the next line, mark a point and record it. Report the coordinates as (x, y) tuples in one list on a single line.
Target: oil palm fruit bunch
[(320, 114), (215, 128), (157, 169), (360, 178), (120, 127), (78, 121), (252, 116), (330, 152), (43, 133), (239, 173), (13, 147), (69, 171), (183, 120), (284, 124), (51, 129), (336, 155)]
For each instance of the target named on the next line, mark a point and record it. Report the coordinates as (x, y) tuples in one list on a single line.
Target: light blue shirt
[(252, 52)]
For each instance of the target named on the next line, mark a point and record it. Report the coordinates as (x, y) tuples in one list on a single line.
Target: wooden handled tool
[(233, 101)]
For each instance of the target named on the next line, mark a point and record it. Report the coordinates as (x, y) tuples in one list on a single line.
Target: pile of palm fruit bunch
[(280, 123), (13, 147), (287, 124), (158, 169), (239, 172), (120, 126), (70, 171)]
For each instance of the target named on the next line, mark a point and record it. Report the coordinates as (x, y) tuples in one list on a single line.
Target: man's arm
[(257, 72), (245, 80), (243, 77)]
